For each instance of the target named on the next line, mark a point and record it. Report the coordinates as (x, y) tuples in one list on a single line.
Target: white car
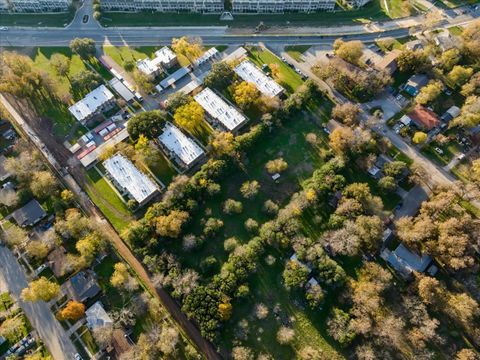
[(78, 357), (3, 28), (439, 151)]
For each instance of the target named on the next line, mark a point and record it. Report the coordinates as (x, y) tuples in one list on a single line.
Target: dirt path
[(74, 180)]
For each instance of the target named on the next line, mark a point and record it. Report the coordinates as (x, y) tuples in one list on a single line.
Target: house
[(451, 114), (92, 104), (250, 73), (177, 144), (375, 172), (120, 343), (388, 62), (415, 83), (82, 286), (166, 57), (219, 111), (474, 134), (445, 40), (295, 259), (37, 6), (280, 6), (237, 54), (97, 317), (29, 214), (129, 180), (208, 55), (414, 45), (406, 261), (423, 118), (57, 260), (4, 174), (405, 120)]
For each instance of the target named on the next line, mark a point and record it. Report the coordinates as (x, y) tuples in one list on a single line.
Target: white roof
[(147, 66), (405, 120), (180, 144), (90, 103), (249, 72), (454, 111), (97, 316), (165, 55), (121, 89), (218, 109), (172, 79), (129, 178), (207, 55)]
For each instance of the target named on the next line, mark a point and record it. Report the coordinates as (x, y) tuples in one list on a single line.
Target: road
[(48, 328), (72, 183), (221, 35)]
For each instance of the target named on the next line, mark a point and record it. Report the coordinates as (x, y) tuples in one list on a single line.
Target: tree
[(429, 92), (40, 290), (369, 230), (387, 184), (230, 244), (97, 15), (103, 335), (67, 196), (122, 279), (249, 189), (245, 94), (13, 329), (310, 353), (251, 225), (345, 141), (143, 81), (168, 340), (171, 225), (85, 47), (85, 81), (466, 354), (472, 87), (14, 235), (45, 184), (147, 123), (74, 310), (274, 69), (261, 311), (189, 116), (37, 249), (314, 295), (413, 61), (212, 226), (8, 197), (343, 241), (276, 166), (471, 40), (394, 169), (219, 75), (285, 335), (295, 274), (231, 206), (177, 100), (350, 51), (223, 143), (242, 353), (419, 137), (450, 58), (347, 113), (470, 115), (338, 327), (270, 207), (459, 75), (61, 64), (190, 48), (225, 311)]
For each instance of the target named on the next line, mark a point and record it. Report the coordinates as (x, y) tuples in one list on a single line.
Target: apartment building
[(200, 6), (250, 73), (92, 104), (280, 6), (32, 6), (360, 3), (4, 6), (180, 146)]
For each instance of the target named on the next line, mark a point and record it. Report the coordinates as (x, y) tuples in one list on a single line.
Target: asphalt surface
[(48, 328)]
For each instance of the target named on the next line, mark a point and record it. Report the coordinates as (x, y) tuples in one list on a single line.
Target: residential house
[(30, 214), (406, 262), (445, 41), (415, 83), (451, 114), (388, 62), (424, 118), (82, 286), (414, 45), (97, 317)]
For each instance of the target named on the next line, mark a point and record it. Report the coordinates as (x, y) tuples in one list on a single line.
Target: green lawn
[(371, 11), (6, 301), (163, 170), (123, 54), (41, 20), (288, 78), (397, 8), (450, 150), (107, 200), (296, 51), (390, 44), (455, 30)]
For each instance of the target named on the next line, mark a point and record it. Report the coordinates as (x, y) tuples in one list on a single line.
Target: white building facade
[(33, 6), (279, 6), (178, 145), (200, 6)]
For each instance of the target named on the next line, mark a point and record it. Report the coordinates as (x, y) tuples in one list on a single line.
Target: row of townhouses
[(30, 6), (216, 6)]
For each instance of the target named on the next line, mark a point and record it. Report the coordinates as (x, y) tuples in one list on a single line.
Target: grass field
[(107, 200), (288, 78), (41, 20), (371, 11), (123, 54), (296, 51), (397, 8), (450, 150)]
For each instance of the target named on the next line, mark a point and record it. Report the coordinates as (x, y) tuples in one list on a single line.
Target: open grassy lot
[(41, 20), (397, 8), (371, 11), (390, 44), (287, 77), (107, 200), (296, 51), (124, 54), (163, 170)]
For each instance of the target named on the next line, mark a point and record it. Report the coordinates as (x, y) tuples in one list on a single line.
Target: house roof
[(97, 316), (250, 73), (412, 260), (83, 286), (424, 118), (180, 144), (58, 260), (29, 214), (389, 61), (90, 103)]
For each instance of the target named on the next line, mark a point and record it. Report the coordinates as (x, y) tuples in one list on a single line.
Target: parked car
[(439, 151)]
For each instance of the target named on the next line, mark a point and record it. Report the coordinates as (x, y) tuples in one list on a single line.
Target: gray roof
[(172, 79), (83, 286), (406, 261), (121, 89), (4, 175), (29, 214)]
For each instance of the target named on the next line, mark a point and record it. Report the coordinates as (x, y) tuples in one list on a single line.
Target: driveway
[(412, 202), (48, 328)]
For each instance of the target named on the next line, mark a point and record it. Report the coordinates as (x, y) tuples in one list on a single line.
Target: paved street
[(43, 321)]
